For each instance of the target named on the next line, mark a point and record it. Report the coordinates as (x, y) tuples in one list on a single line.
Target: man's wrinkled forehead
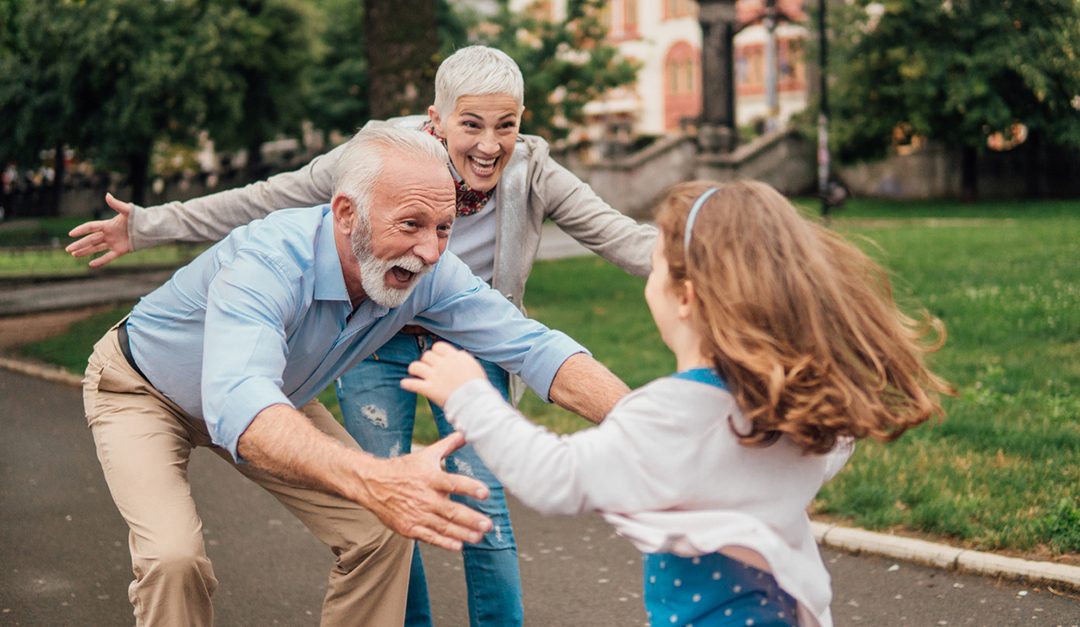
[(422, 185)]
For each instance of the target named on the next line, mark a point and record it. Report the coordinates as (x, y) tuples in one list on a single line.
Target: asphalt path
[(64, 561)]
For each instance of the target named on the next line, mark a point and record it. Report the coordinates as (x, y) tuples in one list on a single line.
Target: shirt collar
[(330, 279)]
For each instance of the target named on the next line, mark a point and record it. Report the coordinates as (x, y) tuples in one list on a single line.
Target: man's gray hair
[(361, 162), (476, 71)]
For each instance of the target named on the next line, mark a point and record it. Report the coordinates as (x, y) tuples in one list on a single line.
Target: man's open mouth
[(402, 275)]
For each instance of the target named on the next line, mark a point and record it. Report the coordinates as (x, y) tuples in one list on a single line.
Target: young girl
[(788, 347)]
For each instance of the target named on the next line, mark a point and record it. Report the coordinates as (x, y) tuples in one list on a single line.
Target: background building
[(664, 36)]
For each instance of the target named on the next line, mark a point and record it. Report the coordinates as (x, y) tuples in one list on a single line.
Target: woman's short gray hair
[(476, 71), (361, 161)]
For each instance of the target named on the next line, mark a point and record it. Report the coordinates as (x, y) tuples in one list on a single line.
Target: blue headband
[(698, 204)]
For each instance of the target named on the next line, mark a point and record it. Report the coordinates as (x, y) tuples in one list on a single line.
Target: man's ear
[(436, 120), (344, 213), (686, 297)]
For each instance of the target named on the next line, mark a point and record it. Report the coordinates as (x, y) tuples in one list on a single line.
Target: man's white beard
[(373, 270)]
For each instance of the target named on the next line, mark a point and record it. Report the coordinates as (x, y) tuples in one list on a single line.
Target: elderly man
[(255, 327)]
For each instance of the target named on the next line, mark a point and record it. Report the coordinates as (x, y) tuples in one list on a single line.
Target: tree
[(401, 42), (956, 71), (109, 78), (566, 64), (338, 99), (37, 110), (264, 49)]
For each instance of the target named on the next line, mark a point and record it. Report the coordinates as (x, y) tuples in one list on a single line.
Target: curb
[(48, 373), (847, 539), (944, 556)]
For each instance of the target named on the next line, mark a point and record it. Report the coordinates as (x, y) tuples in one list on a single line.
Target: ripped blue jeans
[(380, 416)]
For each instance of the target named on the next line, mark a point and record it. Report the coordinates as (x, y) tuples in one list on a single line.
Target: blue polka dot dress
[(713, 590)]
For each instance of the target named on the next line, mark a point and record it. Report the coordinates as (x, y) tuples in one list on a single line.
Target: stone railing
[(634, 184)]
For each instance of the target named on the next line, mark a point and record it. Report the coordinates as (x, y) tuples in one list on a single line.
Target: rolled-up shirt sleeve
[(250, 303), (466, 311)]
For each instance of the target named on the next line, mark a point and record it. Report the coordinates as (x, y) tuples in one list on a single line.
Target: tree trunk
[(138, 171), (969, 173), (401, 41), (59, 171), (253, 171)]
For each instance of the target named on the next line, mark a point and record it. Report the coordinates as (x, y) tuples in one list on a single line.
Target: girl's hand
[(441, 371)]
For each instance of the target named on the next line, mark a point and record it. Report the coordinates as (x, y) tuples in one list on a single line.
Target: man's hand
[(441, 371), (410, 494), (103, 235)]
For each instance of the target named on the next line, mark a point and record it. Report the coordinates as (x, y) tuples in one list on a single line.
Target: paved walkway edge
[(835, 536), (945, 556), (47, 372)]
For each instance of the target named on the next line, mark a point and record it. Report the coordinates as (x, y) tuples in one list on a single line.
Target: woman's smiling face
[(480, 134)]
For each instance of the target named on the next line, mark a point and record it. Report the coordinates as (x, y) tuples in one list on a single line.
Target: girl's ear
[(686, 296)]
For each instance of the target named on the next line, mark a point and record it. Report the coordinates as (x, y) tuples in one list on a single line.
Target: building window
[(682, 78), (677, 8), (630, 17)]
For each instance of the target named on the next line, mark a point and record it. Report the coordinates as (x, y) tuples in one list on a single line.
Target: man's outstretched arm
[(409, 494), (586, 387)]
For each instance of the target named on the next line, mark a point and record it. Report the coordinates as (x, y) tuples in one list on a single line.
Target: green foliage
[(339, 96), (955, 71), (566, 64), (39, 71), (112, 78), (263, 48)]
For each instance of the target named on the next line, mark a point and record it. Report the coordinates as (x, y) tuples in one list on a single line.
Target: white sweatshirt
[(667, 471)]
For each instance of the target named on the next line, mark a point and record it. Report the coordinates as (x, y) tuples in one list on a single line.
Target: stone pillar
[(717, 129)]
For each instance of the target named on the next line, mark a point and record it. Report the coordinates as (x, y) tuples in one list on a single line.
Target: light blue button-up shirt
[(263, 317)]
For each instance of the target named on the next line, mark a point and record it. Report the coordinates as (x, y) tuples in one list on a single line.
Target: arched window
[(682, 84), (677, 8)]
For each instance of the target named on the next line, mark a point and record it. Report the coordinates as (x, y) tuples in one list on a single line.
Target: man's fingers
[(460, 484), (445, 446), (458, 521), (424, 534)]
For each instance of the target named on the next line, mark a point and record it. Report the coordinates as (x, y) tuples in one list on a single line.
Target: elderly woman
[(507, 185)]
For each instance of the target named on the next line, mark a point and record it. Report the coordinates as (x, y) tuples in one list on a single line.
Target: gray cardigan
[(533, 187)]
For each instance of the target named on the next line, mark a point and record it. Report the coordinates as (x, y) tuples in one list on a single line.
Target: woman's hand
[(103, 235), (441, 371)]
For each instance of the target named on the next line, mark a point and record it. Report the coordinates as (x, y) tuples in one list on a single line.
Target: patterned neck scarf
[(469, 201)]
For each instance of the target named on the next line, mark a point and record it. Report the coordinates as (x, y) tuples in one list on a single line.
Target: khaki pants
[(144, 442)]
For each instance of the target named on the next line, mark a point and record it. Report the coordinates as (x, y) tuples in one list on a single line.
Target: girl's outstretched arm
[(594, 469)]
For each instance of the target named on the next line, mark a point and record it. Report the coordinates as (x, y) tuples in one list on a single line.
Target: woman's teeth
[(482, 165)]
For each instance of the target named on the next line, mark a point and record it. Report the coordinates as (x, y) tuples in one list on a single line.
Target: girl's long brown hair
[(800, 323)]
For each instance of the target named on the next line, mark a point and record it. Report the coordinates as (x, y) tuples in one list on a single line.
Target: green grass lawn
[(34, 263), (1000, 472)]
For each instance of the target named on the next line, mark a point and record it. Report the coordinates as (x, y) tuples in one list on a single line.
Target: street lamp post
[(823, 113), (717, 132)]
